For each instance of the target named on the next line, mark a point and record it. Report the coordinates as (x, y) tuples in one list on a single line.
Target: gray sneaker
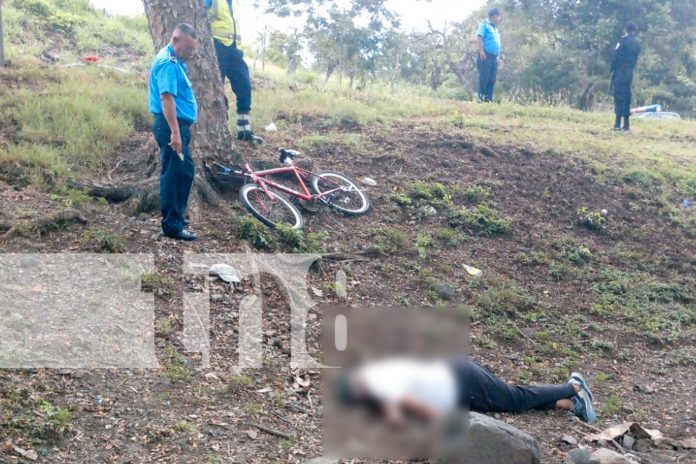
[(583, 407), (577, 379)]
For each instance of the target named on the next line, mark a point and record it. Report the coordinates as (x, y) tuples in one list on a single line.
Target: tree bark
[(211, 135), (2, 39)]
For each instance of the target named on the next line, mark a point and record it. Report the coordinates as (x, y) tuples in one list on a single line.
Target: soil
[(211, 415)]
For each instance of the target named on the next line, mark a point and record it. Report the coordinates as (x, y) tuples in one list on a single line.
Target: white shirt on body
[(431, 383)]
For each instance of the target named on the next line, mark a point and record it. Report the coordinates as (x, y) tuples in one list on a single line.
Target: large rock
[(494, 442)]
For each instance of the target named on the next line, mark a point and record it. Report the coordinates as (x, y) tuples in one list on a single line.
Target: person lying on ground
[(395, 388)]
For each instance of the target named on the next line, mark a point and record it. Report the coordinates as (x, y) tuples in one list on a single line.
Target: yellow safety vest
[(222, 23)]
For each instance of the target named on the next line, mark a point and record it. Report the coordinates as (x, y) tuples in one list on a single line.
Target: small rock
[(272, 128), (628, 442), (570, 440), (321, 460), (368, 181), (607, 456), (341, 285), (252, 434), (27, 454), (580, 456), (605, 213), (647, 389), (212, 376), (444, 291), (226, 273), (531, 333)]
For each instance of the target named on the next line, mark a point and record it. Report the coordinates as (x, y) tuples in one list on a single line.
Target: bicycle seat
[(287, 156)]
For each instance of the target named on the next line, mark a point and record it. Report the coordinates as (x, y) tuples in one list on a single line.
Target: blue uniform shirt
[(491, 37), (170, 75)]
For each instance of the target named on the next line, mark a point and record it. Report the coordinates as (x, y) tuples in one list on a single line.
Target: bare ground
[(183, 414)]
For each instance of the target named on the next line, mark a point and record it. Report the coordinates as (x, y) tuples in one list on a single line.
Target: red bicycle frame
[(260, 178)]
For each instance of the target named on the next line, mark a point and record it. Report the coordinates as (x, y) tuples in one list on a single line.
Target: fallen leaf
[(318, 293)]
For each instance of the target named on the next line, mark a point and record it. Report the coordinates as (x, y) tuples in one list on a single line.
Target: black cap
[(494, 12)]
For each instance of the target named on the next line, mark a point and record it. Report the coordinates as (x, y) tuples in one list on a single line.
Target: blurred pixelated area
[(386, 341)]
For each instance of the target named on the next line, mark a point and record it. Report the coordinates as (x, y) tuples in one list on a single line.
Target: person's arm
[(482, 52), (480, 34), (169, 111), (418, 409), (167, 77)]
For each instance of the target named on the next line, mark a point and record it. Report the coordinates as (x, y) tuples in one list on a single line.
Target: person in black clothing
[(625, 59)]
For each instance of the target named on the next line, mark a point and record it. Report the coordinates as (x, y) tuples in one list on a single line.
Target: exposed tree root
[(42, 224), (115, 193)]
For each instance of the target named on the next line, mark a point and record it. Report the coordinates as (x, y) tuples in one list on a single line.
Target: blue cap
[(494, 12)]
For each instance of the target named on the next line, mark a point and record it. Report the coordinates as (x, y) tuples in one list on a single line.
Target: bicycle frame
[(260, 178)]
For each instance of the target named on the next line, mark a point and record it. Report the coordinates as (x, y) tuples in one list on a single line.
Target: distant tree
[(285, 50), (345, 38)]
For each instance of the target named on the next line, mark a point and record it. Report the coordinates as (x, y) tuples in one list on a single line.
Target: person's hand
[(483, 56), (176, 143)]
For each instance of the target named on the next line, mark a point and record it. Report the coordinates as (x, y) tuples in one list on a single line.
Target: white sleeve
[(386, 381)]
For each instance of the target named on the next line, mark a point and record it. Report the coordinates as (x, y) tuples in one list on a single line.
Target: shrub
[(592, 220), (39, 8), (483, 219)]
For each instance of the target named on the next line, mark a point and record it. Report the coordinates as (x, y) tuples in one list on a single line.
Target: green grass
[(655, 153), (297, 97), (85, 30), (69, 126), (660, 310)]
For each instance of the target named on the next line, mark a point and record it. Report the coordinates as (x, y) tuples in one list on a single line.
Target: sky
[(414, 14)]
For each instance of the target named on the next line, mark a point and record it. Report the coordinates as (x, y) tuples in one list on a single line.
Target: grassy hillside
[(518, 191)]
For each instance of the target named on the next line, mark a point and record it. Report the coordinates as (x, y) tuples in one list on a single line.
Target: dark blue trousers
[(176, 178), (481, 391), (234, 68), (488, 75)]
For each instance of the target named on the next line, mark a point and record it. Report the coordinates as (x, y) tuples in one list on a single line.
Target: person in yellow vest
[(232, 65)]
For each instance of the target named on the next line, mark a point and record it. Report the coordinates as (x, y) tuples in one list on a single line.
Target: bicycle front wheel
[(341, 193), (270, 207)]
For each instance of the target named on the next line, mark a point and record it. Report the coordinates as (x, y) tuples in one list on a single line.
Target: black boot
[(249, 136), (617, 123), (627, 124)]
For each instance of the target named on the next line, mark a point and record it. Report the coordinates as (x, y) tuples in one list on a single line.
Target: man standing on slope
[(489, 47), (175, 109), (232, 65), (625, 59)]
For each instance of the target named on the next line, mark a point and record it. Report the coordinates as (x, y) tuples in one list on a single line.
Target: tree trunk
[(2, 39), (211, 135)]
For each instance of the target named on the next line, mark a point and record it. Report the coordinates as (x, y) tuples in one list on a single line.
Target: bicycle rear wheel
[(271, 208), (349, 199)]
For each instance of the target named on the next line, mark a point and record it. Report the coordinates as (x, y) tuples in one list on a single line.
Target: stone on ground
[(494, 442)]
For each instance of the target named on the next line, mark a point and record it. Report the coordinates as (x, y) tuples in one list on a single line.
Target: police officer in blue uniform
[(625, 59), (489, 48), (173, 104)]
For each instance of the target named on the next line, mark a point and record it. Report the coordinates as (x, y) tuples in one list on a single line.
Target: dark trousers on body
[(234, 68), (488, 75), (176, 178), (622, 103), (481, 391)]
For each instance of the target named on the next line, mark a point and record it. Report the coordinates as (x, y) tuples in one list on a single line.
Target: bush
[(483, 219), (65, 22), (39, 8), (592, 220)]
